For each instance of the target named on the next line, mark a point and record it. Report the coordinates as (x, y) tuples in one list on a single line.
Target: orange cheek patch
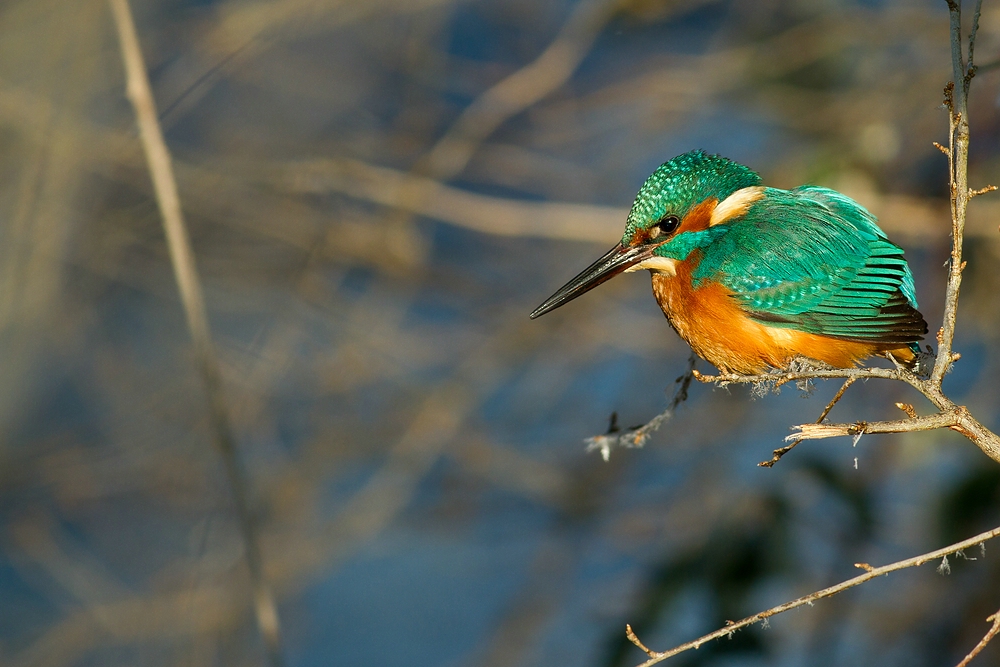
[(699, 217)]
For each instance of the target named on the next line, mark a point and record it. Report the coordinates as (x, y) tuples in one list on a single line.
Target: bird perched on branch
[(753, 277)]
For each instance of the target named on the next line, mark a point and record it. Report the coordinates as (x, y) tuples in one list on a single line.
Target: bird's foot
[(924, 363), (801, 364)]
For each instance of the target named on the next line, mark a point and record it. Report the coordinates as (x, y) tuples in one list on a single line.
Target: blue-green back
[(813, 259)]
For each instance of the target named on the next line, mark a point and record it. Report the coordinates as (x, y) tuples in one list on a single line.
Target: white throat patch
[(656, 265)]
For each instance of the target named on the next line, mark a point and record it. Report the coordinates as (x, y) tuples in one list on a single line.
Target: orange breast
[(718, 330)]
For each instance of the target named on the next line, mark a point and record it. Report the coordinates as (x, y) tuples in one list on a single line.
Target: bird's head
[(679, 208)]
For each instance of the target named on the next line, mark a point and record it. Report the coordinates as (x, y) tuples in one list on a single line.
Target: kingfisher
[(753, 277)]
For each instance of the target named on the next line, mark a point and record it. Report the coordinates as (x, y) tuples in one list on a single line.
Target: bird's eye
[(666, 226)]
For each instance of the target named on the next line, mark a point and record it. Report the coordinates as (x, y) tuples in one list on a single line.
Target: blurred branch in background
[(182, 259), (515, 93)]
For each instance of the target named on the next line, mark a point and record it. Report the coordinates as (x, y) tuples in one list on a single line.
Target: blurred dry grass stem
[(186, 274), (515, 93)]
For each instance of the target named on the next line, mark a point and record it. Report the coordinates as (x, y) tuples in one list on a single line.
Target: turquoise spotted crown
[(681, 183)]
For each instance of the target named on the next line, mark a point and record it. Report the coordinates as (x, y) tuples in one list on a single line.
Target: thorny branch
[(870, 573), (949, 414)]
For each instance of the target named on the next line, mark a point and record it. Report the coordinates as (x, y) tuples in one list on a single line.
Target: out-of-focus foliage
[(414, 442)]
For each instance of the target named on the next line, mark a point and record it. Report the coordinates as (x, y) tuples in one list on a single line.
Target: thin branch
[(637, 437), (956, 100), (872, 573), (778, 378), (186, 275), (951, 415), (970, 71), (781, 451), (982, 642), (927, 423), (632, 637)]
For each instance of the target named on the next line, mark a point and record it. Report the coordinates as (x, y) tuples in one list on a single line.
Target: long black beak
[(615, 261)]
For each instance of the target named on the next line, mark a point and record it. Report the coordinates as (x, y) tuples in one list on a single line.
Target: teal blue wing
[(814, 260)]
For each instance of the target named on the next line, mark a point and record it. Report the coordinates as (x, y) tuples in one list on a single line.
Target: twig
[(186, 275), (949, 413), (779, 378), (781, 451), (982, 642), (970, 71), (982, 191), (928, 423), (630, 633), (956, 100), (637, 437), (869, 574)]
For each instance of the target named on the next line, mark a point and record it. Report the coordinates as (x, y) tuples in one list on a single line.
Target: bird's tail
[(908, 355)]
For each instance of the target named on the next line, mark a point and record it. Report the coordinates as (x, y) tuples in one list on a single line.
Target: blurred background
[(378, 194)]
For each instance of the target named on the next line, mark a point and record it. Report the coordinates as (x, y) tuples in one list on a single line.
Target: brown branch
[(928, 423), (778, 378), (982, 642), (189, 285), (870, 573), (949, 413), (632, 637), (957, 102)]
